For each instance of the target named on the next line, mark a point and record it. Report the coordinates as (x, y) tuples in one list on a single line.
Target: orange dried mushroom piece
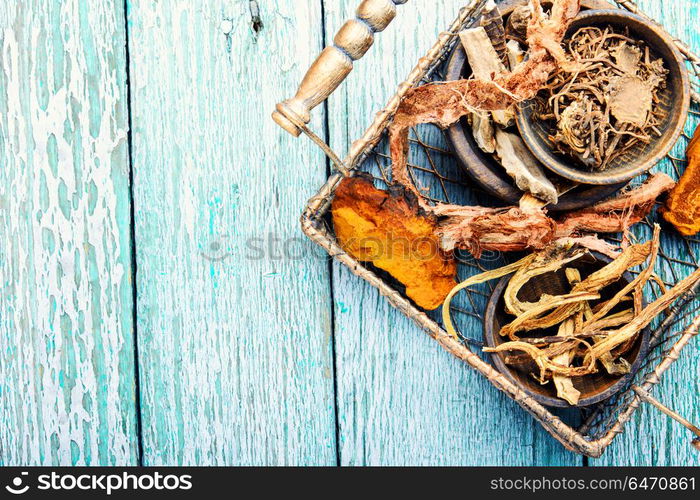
[(683, 205), (389, 230)]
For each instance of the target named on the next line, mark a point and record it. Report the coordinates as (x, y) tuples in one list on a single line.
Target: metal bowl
[(483, 168), (675, 102), (594, 388)]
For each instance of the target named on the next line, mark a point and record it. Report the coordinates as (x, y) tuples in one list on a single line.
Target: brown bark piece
[(631, 99), (478, 229)]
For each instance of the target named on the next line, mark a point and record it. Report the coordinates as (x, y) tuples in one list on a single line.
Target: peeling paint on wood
[(233, 302), (234, 305), (66, 345)]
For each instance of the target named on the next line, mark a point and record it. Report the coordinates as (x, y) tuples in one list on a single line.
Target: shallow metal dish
[(483, 168), (675, 101), (595, 387)]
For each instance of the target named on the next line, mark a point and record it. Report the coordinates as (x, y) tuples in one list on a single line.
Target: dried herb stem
[(475, 280), (641, 321), (637, 284)]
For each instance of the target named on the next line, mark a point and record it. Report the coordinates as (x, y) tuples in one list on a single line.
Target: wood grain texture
[(401, 399), (66, 343), (234, 309), (651, 438), (234, 304)]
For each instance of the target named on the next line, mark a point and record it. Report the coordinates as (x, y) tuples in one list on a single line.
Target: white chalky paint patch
[(226, 26), (65, 318)]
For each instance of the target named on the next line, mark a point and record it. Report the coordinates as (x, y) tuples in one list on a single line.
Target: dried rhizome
[(592, 334)]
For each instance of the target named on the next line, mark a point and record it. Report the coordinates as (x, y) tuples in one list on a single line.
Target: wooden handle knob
[(335, 62)]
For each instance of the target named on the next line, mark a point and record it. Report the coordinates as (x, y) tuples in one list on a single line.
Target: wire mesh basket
[(434, 168)]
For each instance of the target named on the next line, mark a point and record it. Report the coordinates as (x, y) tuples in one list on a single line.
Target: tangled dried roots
[(606, 102)]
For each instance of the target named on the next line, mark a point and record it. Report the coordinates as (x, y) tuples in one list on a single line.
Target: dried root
[(606, 102), (479, 229)]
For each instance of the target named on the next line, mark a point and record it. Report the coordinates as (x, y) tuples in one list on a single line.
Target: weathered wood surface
[(66, 341), (401, 399), (234, 309), (236, 338)]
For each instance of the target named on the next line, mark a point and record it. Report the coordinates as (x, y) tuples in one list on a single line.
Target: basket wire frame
[(436, 171)]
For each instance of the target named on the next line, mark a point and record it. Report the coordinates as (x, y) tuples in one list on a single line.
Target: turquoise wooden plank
[(66, 339), (401, 399), (234, 306), (651, 438)]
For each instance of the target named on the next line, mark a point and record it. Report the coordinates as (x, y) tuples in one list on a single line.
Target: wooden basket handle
[(335, 63)]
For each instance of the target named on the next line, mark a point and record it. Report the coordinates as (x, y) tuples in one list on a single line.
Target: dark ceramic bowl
[(595, 387), (675, 102), (483, 168)]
